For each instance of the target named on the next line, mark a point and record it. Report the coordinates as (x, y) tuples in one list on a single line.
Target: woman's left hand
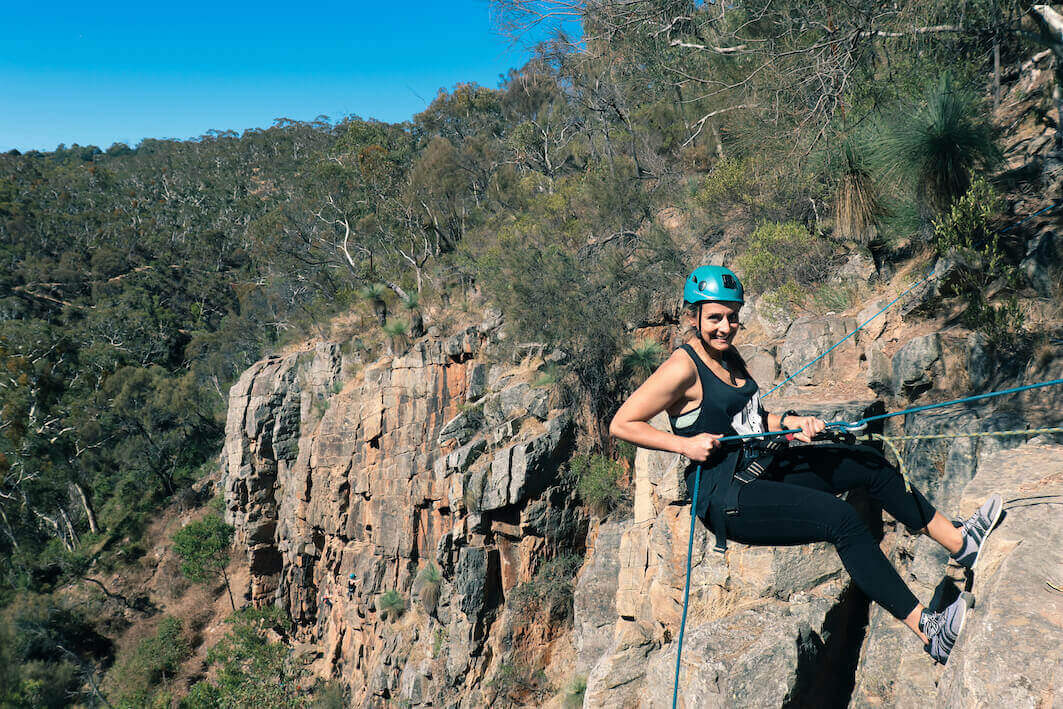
[(809, 425)]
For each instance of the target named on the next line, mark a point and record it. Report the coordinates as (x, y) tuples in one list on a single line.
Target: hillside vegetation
[(137, 283)]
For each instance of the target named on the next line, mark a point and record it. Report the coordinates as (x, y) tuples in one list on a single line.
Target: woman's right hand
[(698, 448)]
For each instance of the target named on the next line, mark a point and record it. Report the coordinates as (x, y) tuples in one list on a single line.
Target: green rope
[(889, 441)]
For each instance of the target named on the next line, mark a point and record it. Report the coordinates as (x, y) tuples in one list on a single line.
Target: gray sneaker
[(975, 529), (944, 627)]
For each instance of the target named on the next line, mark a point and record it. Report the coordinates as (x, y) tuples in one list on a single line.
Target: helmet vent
[(729, 281)]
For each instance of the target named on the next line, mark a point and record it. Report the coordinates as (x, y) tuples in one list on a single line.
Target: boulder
[(879, 374), (1011, 651), (913, 365), (594, 597), (1041, 266)]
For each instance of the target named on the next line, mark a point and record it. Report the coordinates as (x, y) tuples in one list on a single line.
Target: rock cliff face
[(432, 476), (431, 483)]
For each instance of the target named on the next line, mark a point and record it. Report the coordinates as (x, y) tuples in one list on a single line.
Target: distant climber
[(350, 585), (764, 493)]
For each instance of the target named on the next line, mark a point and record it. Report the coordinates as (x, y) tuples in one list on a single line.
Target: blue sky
[(121, 71)]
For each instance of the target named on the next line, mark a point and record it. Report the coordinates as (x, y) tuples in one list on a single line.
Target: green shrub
[(247, 669), (390, 604), (396, 328), (152, 664), (967, 223), (574, 691), (779, 254), (204, 547), (731, 181), (440, 637), (597, 479), (550, 589), (548, 376)]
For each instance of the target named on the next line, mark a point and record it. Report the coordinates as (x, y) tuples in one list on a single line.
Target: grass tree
[(640, 360), (940, 145), (858, 205), (374, 294)]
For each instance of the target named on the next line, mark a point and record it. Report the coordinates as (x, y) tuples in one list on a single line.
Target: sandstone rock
[(462, 427), (775, 321), (874, 329), (761, 363), (912, 365), (979, 361), (477, 383), (1010, 651), (1042, 264), (859, 265), (809, 337), (525, 469), (594, 601), (879, 375)]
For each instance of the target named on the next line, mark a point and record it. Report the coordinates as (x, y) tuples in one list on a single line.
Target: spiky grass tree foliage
[(430, 580), (640, 360), (374, 293), (858, 205), (941, 144), (390, 604)]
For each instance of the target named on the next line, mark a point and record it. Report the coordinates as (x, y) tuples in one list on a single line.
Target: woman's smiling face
[(719, 323)]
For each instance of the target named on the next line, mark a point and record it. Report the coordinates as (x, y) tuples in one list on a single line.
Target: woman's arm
[(809, 425), (662, 389)]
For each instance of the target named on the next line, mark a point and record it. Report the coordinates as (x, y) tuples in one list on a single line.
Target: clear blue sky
[(99, 73)]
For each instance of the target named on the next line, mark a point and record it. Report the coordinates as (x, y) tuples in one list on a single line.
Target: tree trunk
[(228, 588), (996, 76), (89, 514)]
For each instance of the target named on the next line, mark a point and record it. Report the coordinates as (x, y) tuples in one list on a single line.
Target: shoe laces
[(932, 623)]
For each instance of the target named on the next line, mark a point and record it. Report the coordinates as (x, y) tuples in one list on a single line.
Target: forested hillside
[(139, 282)]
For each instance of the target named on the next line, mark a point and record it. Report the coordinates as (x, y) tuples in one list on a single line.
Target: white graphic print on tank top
[(749, 420)]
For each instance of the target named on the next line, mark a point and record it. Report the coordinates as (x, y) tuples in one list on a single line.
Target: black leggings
[(795, 503)]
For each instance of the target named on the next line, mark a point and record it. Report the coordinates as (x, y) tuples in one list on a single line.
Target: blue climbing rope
[(686, 590), (858, 329), (860, 424), (1029, 217)]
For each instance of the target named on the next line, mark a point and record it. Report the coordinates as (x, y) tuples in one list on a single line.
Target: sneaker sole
[(992, 526)]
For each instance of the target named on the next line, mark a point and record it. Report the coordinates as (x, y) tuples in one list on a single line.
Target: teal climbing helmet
[(708, 284)]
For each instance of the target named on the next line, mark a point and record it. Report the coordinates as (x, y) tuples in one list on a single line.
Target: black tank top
[(725, 410)]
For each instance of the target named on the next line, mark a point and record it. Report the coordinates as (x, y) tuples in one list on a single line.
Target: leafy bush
[(204, 547), (967, 223), (574, 691), (731, 181), (390, 604), (550, 589), (152, 664), (597, 479), (780, 254), (249, 670)]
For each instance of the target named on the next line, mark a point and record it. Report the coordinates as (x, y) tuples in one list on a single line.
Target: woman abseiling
[(767, 494)]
